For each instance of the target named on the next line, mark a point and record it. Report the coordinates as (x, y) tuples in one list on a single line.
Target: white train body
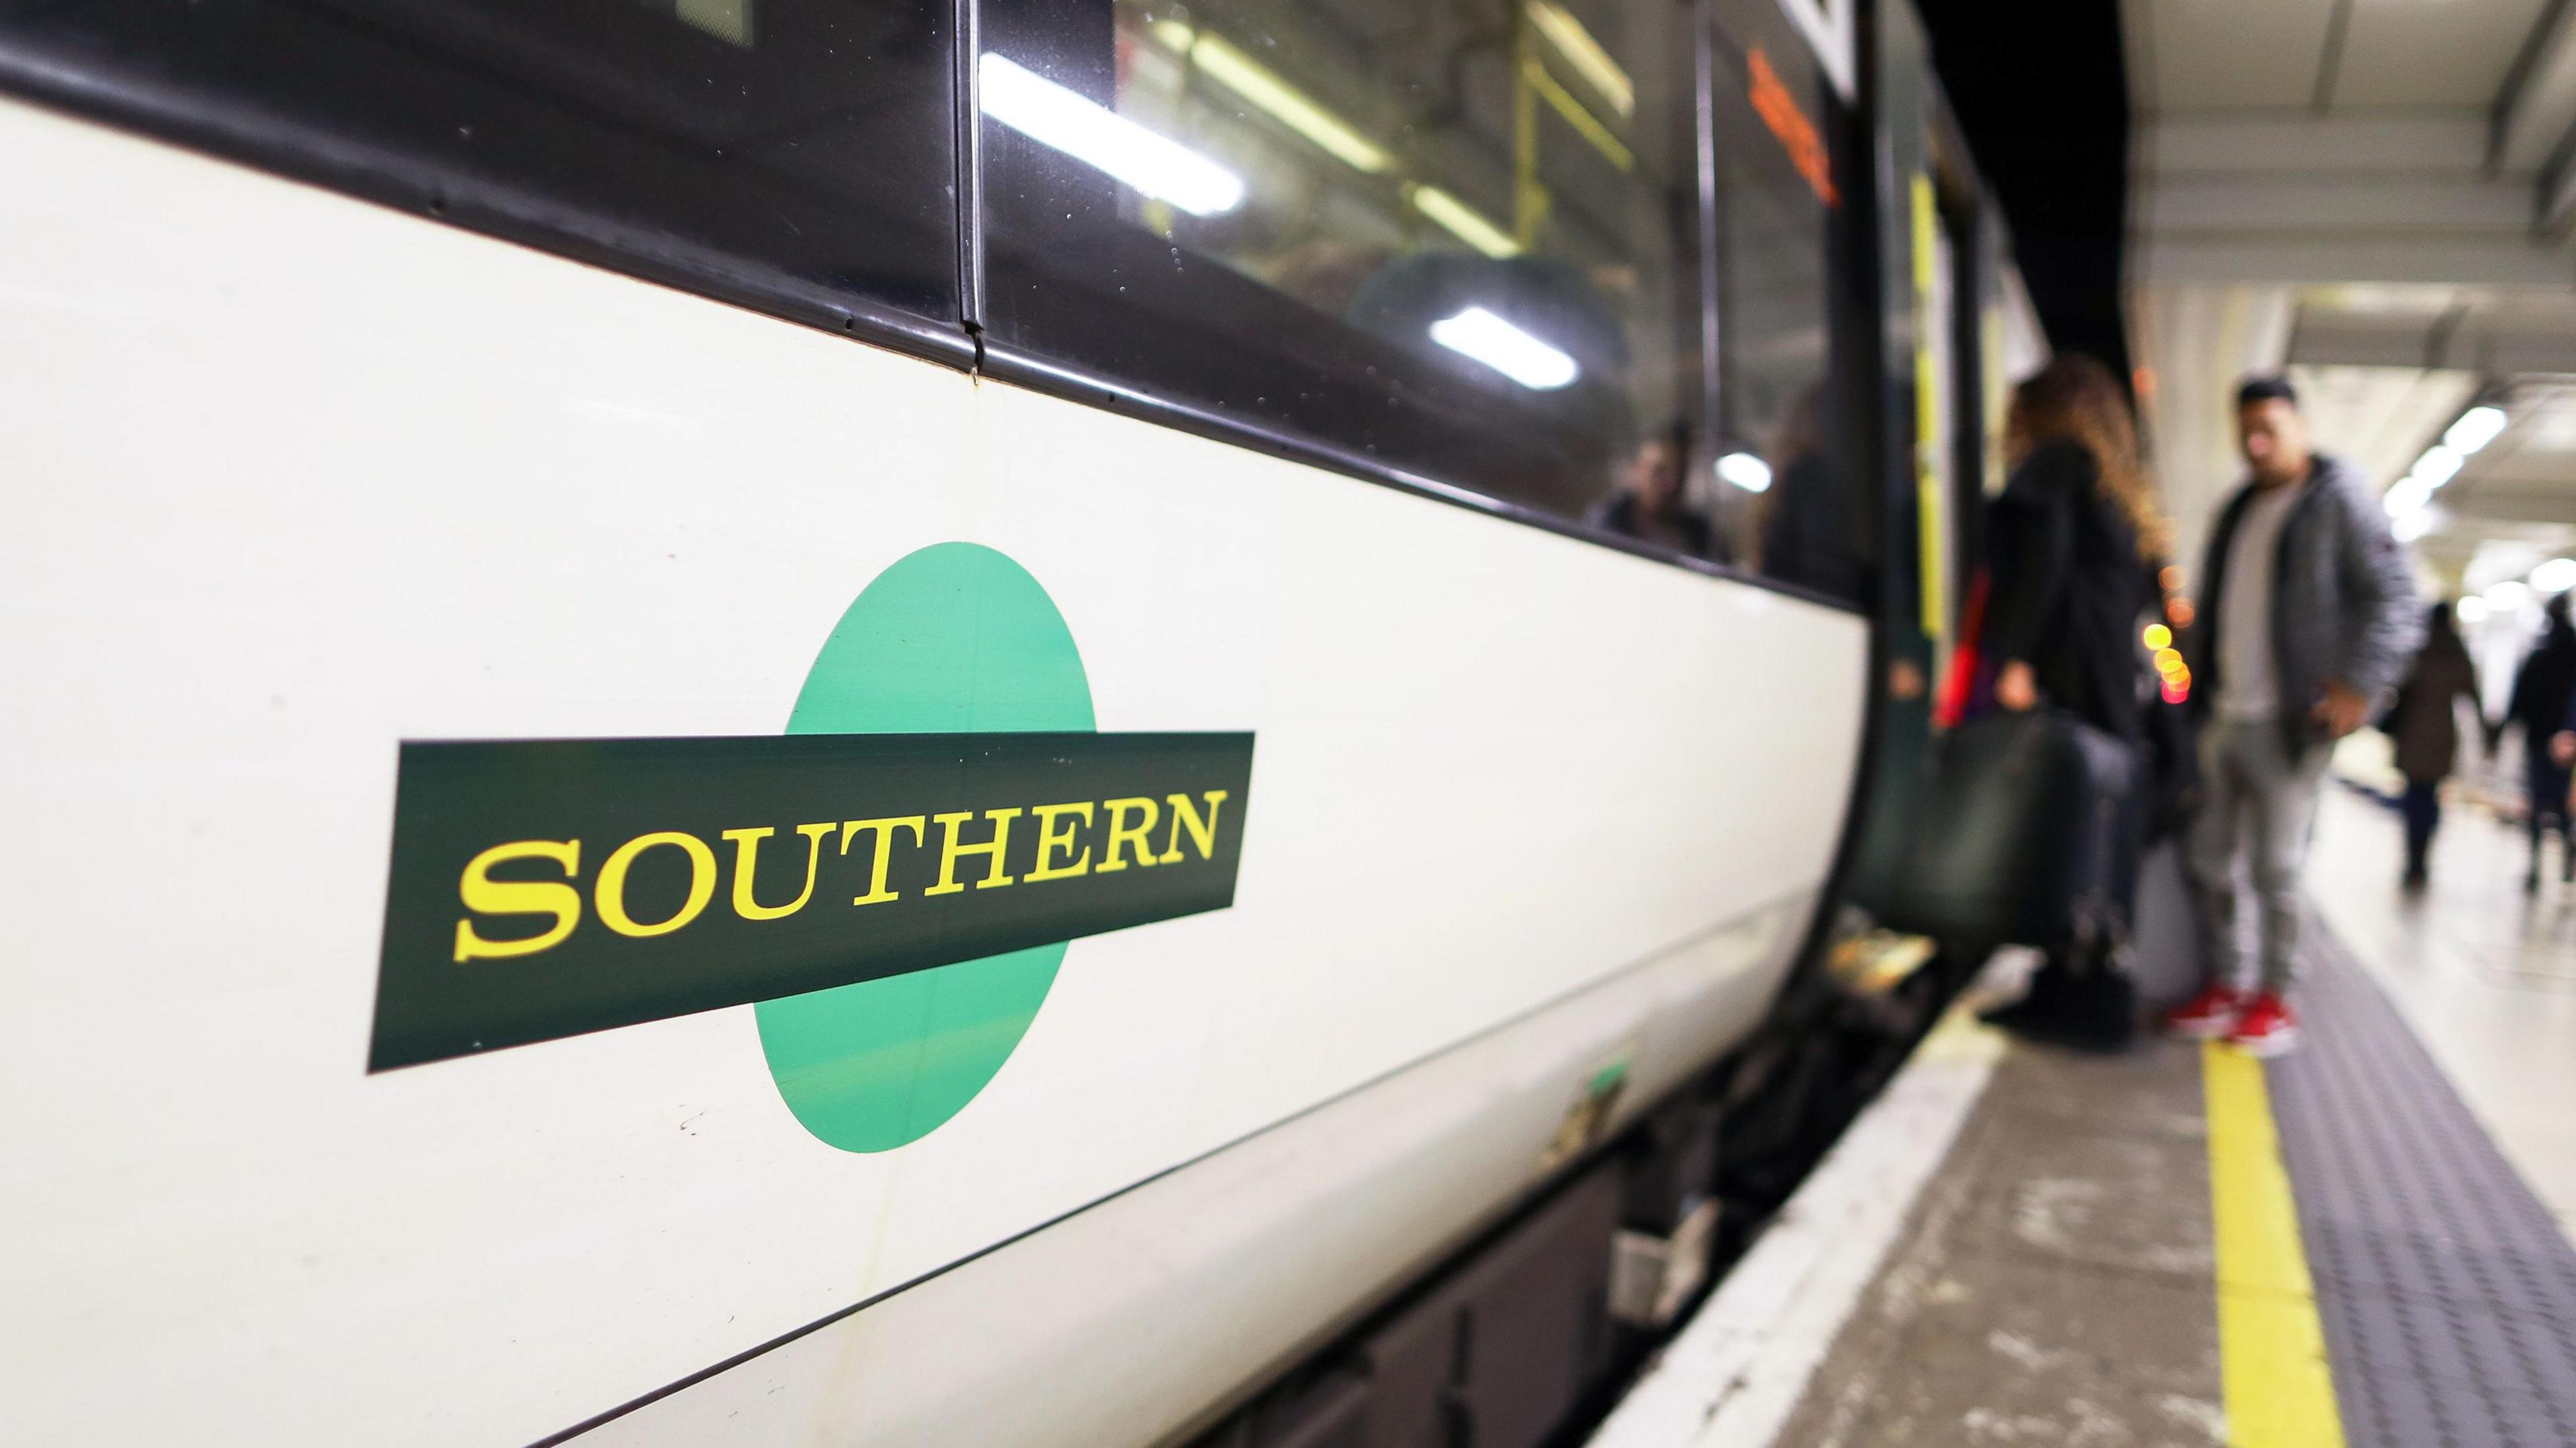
[(295, 478)]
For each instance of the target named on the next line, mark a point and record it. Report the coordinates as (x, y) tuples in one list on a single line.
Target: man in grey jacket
[(2310, 619)]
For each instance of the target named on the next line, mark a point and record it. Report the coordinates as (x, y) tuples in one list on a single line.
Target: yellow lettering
[(610, 893), (486, 896), (949, 850), (1185, 816), (746, 864), (1136, 836), (1053, 841), (883, 830)]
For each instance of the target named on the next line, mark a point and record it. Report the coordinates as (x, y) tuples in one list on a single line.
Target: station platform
[(2364, 1242)]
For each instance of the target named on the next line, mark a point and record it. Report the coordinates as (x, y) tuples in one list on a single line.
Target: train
[(953, 721)]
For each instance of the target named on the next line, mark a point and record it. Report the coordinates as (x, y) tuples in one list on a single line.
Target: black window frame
[(128, 89)]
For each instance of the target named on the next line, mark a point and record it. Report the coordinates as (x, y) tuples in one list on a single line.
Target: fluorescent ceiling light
[(1585, 55), (2555, 576), (2472, 609), (2507, 596), (1091, 133), (2476, 428), (1507, 349), (1746, 471), (1463, 222), (2407, 495), (2437, 466), (1285, 103), (2412, 526)]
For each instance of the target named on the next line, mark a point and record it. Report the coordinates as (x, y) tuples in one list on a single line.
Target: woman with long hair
[(2069, 577)]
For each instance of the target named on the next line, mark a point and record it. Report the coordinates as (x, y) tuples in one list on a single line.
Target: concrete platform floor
[(2055, 1282)]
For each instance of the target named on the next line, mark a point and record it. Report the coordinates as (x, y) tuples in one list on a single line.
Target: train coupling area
[(2179, 1245)]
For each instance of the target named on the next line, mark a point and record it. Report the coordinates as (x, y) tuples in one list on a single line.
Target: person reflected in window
[(1651, 504), (2068, 584), (1803, 529)]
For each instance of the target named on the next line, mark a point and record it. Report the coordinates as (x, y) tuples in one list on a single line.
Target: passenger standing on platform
[(1649, 505), (2423, 726), (2067, 582), (2310, 617), (2543, 690)]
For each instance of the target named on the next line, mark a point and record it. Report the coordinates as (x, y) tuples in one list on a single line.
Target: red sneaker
[(2268, 1028), (2209, 1015)]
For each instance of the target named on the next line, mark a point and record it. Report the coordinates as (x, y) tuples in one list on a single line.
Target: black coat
[(2542, 689), (2067, 588)]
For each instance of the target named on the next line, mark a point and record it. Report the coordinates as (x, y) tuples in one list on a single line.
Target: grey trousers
[(2258, 803)]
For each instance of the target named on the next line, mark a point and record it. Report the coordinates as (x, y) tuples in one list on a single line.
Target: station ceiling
[(2376, 195)]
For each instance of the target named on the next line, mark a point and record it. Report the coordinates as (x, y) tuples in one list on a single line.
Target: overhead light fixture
[(1746, 471), (2411, 526), (2439, 464), (1585, 55), (1462, 222), (2555, 576), (1507, 349), (1093, 134), (2471, 609), (2476, 428), (2407, 495), (2507, 596), (1284, 103)]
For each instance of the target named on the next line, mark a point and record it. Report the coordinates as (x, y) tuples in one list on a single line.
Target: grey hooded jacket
[(2343, 600)]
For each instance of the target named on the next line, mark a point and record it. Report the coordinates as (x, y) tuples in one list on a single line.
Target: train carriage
[(1118, 503)]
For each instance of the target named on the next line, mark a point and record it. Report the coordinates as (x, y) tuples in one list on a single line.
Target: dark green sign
[(549, 888)]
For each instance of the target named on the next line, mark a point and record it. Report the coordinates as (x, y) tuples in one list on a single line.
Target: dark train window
[(1784, 487), (790, 153), (1456, 240)]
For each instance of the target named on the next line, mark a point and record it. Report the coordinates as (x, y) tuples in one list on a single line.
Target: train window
[(1454, 241), (1785, 498), (792, 153)]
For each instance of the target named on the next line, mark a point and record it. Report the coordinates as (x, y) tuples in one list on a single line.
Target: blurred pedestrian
[(2310, 618), (2067, 584), (2423, 726), (2543, 689)]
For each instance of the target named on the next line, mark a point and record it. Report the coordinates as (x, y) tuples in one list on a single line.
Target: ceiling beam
[(2538, 108)]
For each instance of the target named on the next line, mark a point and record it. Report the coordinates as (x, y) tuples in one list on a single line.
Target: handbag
[(2014, 832)]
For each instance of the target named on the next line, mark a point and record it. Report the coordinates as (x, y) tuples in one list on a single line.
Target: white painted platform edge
[(1736, 1372)]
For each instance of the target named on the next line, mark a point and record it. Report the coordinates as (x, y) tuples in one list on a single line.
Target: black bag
[(2015, 833)]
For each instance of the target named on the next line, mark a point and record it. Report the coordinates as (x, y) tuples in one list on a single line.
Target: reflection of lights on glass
[(2472, 609), (1463, 222), (2476, 428), (1746, 471), (2555, 576), (1585, 54), (2411, 526), (2159, 637), (2436, 466), (2178, 609), (1507, 349), (1286, 104), (1052, 116)]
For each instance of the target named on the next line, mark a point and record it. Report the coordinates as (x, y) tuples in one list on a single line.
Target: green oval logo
[(954, 638)]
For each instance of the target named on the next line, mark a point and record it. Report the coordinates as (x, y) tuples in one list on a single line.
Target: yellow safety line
[(2271, 1347)]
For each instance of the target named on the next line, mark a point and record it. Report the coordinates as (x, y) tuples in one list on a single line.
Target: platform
[(2353, 1244)]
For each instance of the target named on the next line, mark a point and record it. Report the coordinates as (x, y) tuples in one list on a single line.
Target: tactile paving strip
[(2447, 1291)]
